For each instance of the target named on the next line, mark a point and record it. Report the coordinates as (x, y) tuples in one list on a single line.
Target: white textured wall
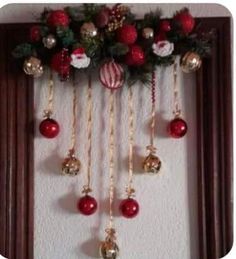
[(167, 225)]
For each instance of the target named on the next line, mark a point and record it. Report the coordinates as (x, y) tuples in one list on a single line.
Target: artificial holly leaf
[(118, 49), (23, 50)]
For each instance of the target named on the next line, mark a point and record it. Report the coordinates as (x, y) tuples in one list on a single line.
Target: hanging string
[(151, 147), (74, 107), (87, 187), (130, 191), (111, 162), (176, 110), (48, 112)]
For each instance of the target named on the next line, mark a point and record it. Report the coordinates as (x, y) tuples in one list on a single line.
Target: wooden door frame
[(214, 146)]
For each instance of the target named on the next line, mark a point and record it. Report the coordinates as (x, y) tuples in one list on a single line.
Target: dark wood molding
[(214, 113), (215, 165), (16, 146)]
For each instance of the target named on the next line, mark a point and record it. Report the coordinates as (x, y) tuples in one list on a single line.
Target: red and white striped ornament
[(112, 75)]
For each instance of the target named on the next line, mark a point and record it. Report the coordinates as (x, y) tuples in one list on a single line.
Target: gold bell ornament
[(32, 66), (190, 62), (108, 248), (152, 163), (71, 165)]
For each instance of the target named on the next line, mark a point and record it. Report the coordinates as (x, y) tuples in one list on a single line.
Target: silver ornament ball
[(148, 33), (49, 41)]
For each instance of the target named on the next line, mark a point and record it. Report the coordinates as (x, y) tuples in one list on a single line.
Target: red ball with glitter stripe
[(112, 75)]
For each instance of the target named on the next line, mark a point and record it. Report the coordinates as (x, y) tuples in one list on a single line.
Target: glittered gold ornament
[(190, 62), (71, 165), (88, 30), (152, 164), (49, 41), (109, 250), (148, 33), (32, 66)]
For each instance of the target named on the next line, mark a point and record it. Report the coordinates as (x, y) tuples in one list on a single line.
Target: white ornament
[(79, 60), (163, 48)]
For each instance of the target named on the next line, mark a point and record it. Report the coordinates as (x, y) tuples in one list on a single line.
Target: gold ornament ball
[(71, 166), (32, 66), (109, 250), (88, 30), (49, 41), (152, 164), (148, 33), (190, 62)]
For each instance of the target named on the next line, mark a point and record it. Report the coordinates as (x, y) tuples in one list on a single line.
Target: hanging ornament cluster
[(88, 37), (123, 49)]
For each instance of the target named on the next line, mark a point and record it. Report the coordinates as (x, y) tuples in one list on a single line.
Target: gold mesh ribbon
[(87, 187), (176, 110), (74, 108), (48, 112), (130, 190)]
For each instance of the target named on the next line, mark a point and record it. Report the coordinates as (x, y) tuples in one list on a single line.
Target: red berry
[(49, 128), (35, 33), (58, 18), (87, 205), (165, 26), (129, 208), (185, 20), (127, 34), (177, 128), (135, 56)]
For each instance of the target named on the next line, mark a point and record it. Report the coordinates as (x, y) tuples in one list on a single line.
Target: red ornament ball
[(111, 75), (185, 20), (87, 205), (35, 33), (177, 128), (58, 18), (129, 208), (165, 26), (49, 128), (127, 34), (135, 56)]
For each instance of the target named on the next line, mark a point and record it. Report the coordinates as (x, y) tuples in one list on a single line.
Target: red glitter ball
[(135, 56), (177, 128), (58, 18), (87, 205), (165, 26), (129, 208), (127, 34), (49, 128), (185, 20), (35, 33)]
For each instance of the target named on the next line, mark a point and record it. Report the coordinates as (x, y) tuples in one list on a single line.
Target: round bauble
[(71, 165), (109, 250), (112, 75), (177, 128), (32, 66), (88, 30), (87, 205), (49, 41), (165, 26), (185, 21), (58, 18), (127, 34), (49, 128), (135, 56), (190, 62), (152, 164), (148, 33), (35, 33), (129, 208)]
